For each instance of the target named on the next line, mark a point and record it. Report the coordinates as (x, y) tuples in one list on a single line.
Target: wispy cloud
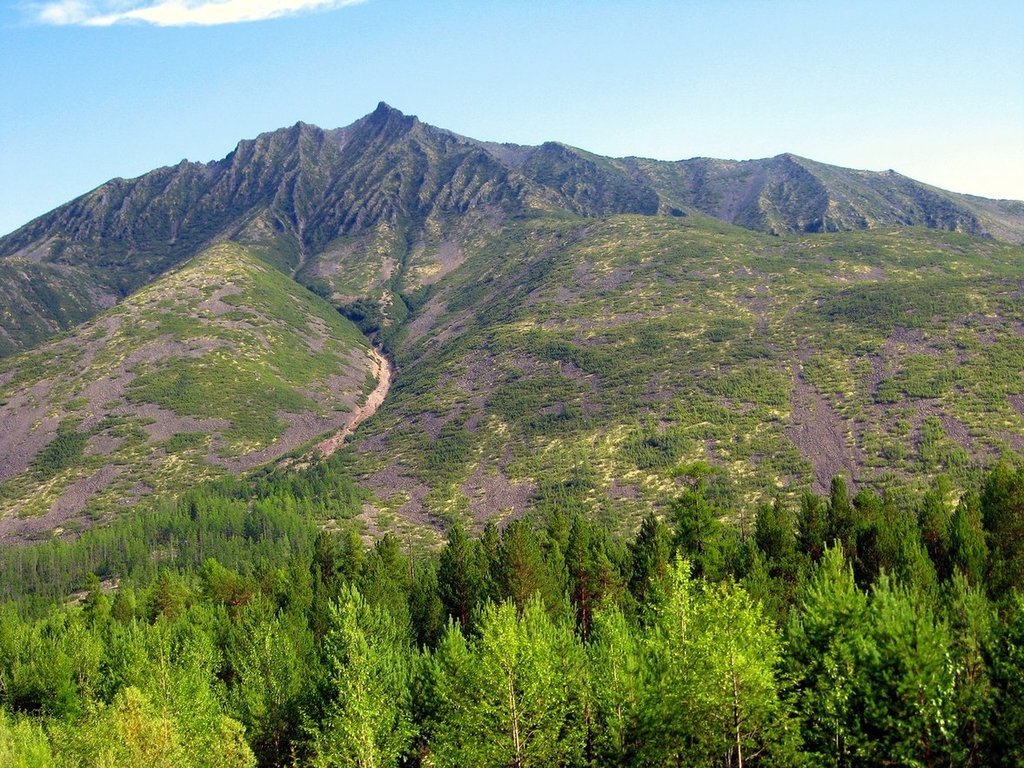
[(175, 13)]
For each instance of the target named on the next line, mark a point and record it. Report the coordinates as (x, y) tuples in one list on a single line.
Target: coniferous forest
[(227, 629)]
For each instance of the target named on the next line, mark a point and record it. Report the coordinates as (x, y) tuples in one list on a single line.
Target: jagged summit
[(343, 209)]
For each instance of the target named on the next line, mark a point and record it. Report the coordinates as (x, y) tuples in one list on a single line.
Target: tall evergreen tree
[(934, 515), (649, 560), (1002, 509), (461, 575), (822, 637), (699, 534), (1007, 738), (523, 571), (842, 520), (971, 621), (812, 526), (968, 552), (426, 611), (592, 576), (269, 657), (902, 699)]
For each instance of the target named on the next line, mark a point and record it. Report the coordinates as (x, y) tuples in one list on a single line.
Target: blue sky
[(93, 89)]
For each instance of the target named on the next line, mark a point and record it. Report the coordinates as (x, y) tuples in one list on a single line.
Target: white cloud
[(175, 13)]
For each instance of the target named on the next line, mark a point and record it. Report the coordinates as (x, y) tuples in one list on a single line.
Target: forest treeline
[(845, 631)]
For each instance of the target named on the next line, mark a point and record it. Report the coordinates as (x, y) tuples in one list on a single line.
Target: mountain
[(608, 364), (565, 327), (217, 366), (389, 205)]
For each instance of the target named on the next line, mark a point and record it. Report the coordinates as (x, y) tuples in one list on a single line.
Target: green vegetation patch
[(64, 451)]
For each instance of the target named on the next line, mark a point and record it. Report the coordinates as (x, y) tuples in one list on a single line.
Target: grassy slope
[(604, 363), (220, 365)]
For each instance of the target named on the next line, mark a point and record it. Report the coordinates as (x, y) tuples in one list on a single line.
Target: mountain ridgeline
[(391, 203), (567, 329)]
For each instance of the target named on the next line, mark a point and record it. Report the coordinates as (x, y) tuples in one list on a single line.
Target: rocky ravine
[(382, 370)]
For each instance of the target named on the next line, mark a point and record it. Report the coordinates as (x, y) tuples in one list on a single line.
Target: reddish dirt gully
[(382, 370)]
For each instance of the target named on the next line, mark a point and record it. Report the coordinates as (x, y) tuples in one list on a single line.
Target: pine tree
[(821, 640), (269, 659), (592, 576), (812, 526), (934, 516), (699, 534), (902, 698), (523, 571), (842, 519), (968, 552), (649, 560), (1002, 509), (461, 575), (971, 620), (426, 610), (1007, 736)]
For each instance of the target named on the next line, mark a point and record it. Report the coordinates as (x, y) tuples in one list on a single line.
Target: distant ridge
[(562, 328)]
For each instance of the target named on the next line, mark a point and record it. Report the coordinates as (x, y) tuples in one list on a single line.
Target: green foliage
[(968, 551), (268, 654), (241, 524), (512, 696), (617, 661), (821, 638), (233, 349), (888, 305), (273, 642), (713, 697), (364, 720), (635, 343), (902, 698), (649, 560), (213, 387), (461, 575), (1002, 510), (1007, 735), (23, 744), (62, 452)]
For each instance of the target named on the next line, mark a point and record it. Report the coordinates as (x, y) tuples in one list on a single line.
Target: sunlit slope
[(608, 363), (220, 365)]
